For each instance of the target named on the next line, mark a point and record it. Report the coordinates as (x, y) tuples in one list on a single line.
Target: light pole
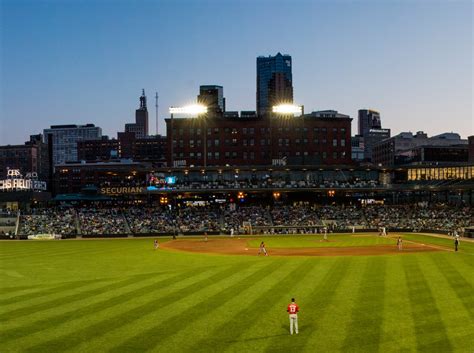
[(195, 109), (288, 110)]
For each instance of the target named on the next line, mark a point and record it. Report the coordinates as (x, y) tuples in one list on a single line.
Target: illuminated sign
[(16, 182), (122, 190)]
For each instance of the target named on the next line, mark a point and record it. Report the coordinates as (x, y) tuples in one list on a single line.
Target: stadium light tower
[(288, 109), (193, 110)]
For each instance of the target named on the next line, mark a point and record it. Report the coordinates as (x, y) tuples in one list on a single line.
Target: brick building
[(319, 138), (152, 148), (32, 156), (471, 149), (395, 150)]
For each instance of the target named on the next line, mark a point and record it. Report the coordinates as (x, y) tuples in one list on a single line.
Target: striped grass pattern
[(122, 296)]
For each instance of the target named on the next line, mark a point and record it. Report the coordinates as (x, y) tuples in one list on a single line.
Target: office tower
[(212, 97), (368, 119), (274, 82), (65, 139)]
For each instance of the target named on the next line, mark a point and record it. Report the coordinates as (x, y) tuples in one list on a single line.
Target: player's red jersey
[(293, 308)]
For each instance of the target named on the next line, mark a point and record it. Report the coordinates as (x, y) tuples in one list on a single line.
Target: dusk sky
[(77, 62)]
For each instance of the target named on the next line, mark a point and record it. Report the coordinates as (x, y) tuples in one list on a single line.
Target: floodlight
[(288, 109), (194, 109)]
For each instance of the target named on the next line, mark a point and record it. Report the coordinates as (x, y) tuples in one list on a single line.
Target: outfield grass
[(122, 296)]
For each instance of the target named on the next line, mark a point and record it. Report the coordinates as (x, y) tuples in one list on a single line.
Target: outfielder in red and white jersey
[(293, 310)]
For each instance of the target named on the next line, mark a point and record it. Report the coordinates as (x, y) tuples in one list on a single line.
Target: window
[(297, 141), (209, 143), (198, 132), (216, 130), (191, 143), (244, 131), (316, 141), (216, 155), (227, 154), (181, 143), (325, 155), (209, 131), (324, 141), (226, 130), (191, 154), (316, 130), (216, 143), (198, 143), (334, 155), (198, 155), (287, 142), (334, 142), (323, 130), (245, 155), (280, 142), (252, 142), (252, 155), (209, 155), (262, 142), (234, 155), (180, 132), (234, 142), (343, 131), (334, 130), (252, 131), (343, 143), (191, 131), (305, 141), (234, 131)]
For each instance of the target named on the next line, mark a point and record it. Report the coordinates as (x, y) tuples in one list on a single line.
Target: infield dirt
[(241, 247)]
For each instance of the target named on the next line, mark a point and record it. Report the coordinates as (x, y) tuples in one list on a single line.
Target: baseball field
[(219, 296)]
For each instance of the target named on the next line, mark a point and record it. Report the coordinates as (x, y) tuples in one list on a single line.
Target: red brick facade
[(218, 141)]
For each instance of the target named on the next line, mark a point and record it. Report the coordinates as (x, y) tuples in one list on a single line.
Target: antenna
[(156, 111)]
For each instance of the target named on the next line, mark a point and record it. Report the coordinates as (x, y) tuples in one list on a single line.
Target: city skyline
[(66, 63)]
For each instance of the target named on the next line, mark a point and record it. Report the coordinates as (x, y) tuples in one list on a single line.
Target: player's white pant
[(293, 321)]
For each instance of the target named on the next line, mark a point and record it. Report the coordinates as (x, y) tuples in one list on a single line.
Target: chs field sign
[(17, 182)]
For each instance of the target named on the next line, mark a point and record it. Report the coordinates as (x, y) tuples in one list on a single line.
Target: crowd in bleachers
[(48, 221), (240, 219), (198, 219), (145, 220), (102, 221), (276, 183)]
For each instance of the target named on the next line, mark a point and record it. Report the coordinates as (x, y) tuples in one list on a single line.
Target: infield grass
[(122, 296)]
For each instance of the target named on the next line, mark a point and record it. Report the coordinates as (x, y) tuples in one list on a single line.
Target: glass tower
[(274, 82)]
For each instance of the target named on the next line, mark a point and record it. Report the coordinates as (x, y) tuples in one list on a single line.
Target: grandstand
[(108, 220)]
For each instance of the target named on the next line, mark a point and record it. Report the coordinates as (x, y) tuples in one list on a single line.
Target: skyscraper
[(370, 130), (212, 97), (368, 119), (274, 82)]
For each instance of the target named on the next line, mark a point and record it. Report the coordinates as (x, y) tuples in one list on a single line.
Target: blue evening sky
[(75, 61)]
